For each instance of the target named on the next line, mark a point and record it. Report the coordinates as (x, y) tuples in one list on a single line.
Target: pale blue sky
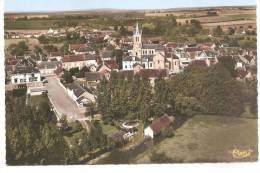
[(65, 5)]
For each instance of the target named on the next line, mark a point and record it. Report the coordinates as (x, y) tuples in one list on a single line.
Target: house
[(81, 49), (10, 65), (25, 74), (36, 91), (128, 62), (78, 61), (111, 64), (147, 61), (159, 61), (107, 55), (55, 55), (157, 126), (172, 63), (137, 68), (48, 68), (243, 75), (79, 95), (93, 78)]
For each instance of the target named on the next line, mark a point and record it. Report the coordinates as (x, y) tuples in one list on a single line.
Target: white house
[(25, 74), (157, 126), (81, 60), (129, 61), (79, 94)]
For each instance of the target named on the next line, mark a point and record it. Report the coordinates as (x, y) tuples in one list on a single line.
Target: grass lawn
[(208, 138), (108, 129), (35, 100)]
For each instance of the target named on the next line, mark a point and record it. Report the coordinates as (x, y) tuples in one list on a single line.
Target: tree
[(231, 31), (229, 63), (18, 49), (50, 48), (66, 77), (32, 137), (218, 31), (212, 87), (43, 39)]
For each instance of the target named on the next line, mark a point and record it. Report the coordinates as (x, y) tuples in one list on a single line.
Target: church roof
[(153, 46)]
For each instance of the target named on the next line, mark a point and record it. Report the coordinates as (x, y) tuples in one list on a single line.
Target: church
[(150, 56), (140, 49)]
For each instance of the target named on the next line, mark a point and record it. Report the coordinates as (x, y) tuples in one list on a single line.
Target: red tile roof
[(112, 64), (160, 124), (10, 61), (198, 63), (73, 58), (241, 73)]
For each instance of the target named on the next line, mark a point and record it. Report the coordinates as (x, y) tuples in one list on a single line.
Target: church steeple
[(137, 29), (137, 40)]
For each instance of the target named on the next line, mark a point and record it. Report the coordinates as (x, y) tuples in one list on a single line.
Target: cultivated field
[(208, 139), (31, 42)]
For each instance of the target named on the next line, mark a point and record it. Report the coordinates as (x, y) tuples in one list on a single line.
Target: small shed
[(158, 125)]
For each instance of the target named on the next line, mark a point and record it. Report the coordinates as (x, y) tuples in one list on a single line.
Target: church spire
[(137, 29)]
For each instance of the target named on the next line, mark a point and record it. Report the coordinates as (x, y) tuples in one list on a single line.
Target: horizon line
[(126, 9)]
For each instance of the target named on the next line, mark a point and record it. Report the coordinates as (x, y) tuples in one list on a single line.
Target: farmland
[(194, 142)]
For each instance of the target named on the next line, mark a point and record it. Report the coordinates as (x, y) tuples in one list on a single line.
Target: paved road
[(62, 103)]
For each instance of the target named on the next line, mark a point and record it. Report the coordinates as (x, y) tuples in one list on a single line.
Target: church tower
[(137, 47)]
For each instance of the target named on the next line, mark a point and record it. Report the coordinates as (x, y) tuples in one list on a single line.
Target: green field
[(30, 24), (208, 139), (50, 23)]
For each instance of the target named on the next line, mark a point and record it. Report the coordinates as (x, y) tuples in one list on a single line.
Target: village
[(70, 76)]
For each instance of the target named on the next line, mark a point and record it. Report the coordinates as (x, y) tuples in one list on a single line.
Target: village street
[(62, 103)]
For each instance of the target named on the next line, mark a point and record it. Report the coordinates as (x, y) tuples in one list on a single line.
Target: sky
[(70, 5)]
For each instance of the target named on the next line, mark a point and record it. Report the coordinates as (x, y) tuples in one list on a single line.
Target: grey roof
[(89, 57), (153, 46), (80, 99), (147, 57), (93, 76), (76, 88), (107, 54), (49, 64), (25, 69), (130, 58)]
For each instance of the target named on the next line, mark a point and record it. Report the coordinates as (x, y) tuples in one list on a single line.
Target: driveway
[(62, 103)]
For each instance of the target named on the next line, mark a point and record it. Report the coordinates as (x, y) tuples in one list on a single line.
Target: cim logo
[(241, 154)]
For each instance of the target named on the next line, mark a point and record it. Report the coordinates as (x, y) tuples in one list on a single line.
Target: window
[(32, 79), (22, 80), (158, 61), (125, 66), (151, 64), (15, 80)]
